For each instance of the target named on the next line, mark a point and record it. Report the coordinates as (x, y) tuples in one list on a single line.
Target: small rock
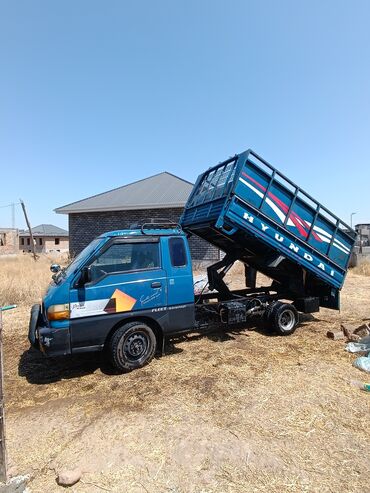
[(69, 478)]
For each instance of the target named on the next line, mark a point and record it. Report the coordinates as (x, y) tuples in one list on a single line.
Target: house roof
[(159, 191), (45, 230)]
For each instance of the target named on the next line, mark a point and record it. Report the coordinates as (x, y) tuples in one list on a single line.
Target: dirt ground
[(239, 411)]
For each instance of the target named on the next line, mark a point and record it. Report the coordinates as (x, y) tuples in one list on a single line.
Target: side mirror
[(85, 274), (55, 268)]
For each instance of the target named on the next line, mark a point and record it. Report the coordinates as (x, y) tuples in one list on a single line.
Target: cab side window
[(126, 257), (178, 252)]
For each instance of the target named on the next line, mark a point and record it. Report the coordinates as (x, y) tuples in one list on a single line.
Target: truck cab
[(125, 291)]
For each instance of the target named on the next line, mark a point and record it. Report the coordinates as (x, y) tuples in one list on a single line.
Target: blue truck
[(129, 290)]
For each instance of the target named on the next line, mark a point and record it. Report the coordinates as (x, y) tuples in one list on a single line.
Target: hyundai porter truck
[(129, 290)]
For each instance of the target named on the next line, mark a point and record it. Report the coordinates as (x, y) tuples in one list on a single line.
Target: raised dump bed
[(255, 214)]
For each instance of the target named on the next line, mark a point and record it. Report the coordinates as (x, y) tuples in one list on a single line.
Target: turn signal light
[(58, 312)]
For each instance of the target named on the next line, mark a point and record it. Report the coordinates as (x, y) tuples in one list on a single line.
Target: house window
[(22, 241), (57, 241), (40, 241), (28, 241)]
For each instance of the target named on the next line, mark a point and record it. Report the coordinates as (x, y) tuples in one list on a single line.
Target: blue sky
[(96, 94)]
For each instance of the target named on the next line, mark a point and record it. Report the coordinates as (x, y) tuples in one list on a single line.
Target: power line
[(9, 205), (12, 205)]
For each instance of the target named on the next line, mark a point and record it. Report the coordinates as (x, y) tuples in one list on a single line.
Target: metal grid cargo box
[(250, 210)]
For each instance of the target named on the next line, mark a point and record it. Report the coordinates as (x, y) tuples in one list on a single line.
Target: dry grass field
[(241, 411), (363, 269)]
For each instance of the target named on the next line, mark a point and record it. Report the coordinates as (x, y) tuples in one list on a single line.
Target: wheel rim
[(135, 346), (286, 320)]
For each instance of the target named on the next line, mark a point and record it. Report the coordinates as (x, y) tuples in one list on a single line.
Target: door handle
[(156, 284)]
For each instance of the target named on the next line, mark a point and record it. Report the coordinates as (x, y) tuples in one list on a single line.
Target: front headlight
[(58, 312)]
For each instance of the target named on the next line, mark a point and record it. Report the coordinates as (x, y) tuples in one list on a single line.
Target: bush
[(22, 280)]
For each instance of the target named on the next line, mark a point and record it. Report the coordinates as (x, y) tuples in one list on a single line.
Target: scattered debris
[(354, 338), (348, 330), (362, 363), (18, 484), (70, 477), (336, 336), (200, 284), (363, 330), (362, 346), (354, 334), (361, 385)]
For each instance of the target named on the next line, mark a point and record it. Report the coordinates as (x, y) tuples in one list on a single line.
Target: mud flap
[(34, 319)]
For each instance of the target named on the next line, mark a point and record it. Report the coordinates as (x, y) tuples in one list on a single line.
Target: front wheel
[(284, 318), (132, 346)]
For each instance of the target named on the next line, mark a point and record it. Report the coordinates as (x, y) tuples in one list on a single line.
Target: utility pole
[(352, 214), (13, 214), (3, 454), (29, 229)]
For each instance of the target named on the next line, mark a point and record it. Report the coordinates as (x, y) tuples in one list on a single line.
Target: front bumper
[(50, 341)]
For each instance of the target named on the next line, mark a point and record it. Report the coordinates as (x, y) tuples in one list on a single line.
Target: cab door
[(180, 298), (126, 276)]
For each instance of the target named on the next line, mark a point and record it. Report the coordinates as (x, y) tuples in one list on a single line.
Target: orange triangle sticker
[(124, 302)]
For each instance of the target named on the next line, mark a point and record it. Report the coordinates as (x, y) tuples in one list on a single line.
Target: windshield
[(86, 252)]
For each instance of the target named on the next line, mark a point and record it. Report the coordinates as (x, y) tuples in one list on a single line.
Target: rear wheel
[(284, 318), (132, 346), (269, 309)]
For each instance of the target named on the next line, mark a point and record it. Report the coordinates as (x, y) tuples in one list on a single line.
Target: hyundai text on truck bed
[(128, 290)]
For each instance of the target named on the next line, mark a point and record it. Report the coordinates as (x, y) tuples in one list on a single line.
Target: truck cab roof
[(144, 232)]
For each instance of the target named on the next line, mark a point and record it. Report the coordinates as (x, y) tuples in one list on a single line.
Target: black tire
[(132, 346), (269, 310), (284, 318)]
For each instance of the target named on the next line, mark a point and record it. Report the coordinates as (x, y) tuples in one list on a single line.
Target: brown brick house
[(47, 238), (160, 196), (8, 241)]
